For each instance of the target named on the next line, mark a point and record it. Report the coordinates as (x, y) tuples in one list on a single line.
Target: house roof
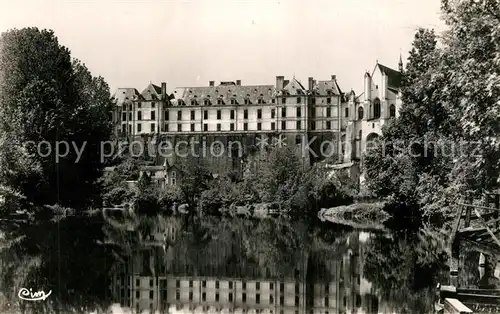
[(394, 77), (125, 95), (226, 92), (294, 88), (151, 92), (323, 88), (152, 168)]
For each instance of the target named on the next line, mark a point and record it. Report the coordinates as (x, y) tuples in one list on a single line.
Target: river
[(232, 265)]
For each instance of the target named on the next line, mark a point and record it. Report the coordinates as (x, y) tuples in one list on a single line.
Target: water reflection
[(222, 265)]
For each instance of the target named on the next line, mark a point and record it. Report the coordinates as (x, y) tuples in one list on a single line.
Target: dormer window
[(261, 99), (220, 101), (193, 102), (247, 101), (207, 102), (233, 101)]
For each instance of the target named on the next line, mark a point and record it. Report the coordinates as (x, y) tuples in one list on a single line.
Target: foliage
[(195, 177), (144, 183), (280, 179), (46, 96), (404, 269), (169, 196), (449, 121), (278, 176), (50, 239)]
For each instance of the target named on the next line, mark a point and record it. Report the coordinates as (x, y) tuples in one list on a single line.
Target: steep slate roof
[(322, 87), (394, 77), (294, 88), (152, 168), (123, 95), (225, 92), (151, 92)]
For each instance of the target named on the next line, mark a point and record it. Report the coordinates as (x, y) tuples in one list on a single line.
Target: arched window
[(376, 108), (358, 300), (174, 178), (360, 113), (392, 111), (342, 140)]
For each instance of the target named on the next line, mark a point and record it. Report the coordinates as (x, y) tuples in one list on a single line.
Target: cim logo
[(29, 295)]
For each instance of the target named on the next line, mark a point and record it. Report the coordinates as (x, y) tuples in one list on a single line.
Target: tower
[(400, 64)]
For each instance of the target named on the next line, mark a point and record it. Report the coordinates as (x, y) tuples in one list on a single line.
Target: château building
[(315, 114), (286, 107)]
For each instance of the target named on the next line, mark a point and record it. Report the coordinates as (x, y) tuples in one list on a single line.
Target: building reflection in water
[(224, 275)]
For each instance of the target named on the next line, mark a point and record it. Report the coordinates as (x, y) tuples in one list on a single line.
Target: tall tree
[(471, 62), (451, 108), (392, 169), (45, 96)]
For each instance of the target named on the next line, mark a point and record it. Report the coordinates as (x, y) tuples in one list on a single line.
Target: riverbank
[(362, 215)]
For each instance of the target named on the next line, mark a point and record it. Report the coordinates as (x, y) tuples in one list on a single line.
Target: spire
[(400, 62)]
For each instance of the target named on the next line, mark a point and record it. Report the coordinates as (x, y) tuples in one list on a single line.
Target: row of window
[(376, 111), (231, 127), (217, 297), (179, 307), (139, 106), (243, 298), (230, 283), (231, 299), (232, 114), (233, 101)]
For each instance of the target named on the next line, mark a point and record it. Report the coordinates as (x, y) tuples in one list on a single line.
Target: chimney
[(211, 83), (311, 83), (334, 77), (238, 82), (280, 80), (163, 90)]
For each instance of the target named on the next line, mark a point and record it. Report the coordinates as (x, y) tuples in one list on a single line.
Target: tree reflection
[(405, 270)]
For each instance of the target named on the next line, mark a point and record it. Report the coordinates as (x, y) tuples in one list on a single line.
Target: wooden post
[(497, 212), (454, 265), (468, 211)]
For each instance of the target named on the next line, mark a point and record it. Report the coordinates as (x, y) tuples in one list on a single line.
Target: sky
[(189, 43)]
